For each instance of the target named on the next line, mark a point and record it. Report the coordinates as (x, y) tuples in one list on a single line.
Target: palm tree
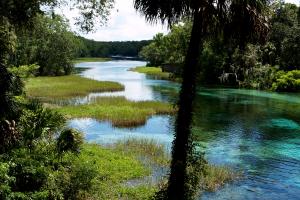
[(238, 19)]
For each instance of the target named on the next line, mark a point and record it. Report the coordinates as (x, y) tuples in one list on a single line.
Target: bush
[(287, 81)]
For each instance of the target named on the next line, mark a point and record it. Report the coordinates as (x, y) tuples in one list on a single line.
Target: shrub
[(287, 81)]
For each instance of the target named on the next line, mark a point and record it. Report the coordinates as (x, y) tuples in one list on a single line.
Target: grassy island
[(62, 87), (153, 71), (118, 110)]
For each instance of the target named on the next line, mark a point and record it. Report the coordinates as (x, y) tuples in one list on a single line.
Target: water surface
[(255, 132)]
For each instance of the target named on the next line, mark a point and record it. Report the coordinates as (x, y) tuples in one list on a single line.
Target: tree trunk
[(181, 143)]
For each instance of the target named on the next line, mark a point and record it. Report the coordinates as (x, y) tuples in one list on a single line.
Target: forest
[(218, 108), (273, 65), (91, 48)]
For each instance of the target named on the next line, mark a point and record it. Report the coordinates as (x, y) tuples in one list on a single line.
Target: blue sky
[(126, 24)]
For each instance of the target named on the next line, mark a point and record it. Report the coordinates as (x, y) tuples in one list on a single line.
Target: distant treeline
[(91, 48)]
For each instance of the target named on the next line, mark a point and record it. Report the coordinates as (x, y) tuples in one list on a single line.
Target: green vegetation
[(50, 44), (62, 87), (110, 170), (251, 65), (118, 110), (91, 59), (287, 81), (215, 177), (91, 48), (150, 149), (153, 71)]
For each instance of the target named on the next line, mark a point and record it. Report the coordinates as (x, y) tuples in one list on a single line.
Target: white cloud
[(297, 2), (126, 24)]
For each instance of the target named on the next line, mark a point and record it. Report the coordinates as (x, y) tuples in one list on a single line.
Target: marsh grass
[(63, 87), (91, 59), (150, 149), (211, 178), (153, 71), (112, 168), (118, 110), (113, 165), (215, 177)]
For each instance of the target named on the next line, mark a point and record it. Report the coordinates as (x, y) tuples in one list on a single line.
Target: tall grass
[(111, 168), (118, 110), (211, 178), (63, 87), (152, 150), (216, 176)]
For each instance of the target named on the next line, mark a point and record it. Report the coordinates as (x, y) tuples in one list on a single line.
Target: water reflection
[(137, 86)]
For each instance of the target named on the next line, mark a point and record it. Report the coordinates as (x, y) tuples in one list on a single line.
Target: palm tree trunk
[(181, 143)]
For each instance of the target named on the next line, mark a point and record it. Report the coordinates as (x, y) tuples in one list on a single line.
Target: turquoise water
[(256, 133)]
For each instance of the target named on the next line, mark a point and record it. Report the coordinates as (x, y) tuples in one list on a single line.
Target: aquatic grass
[(216, 176), (211, 178), (91, 59), (111, 168), (150, 149), (111, 164), (121, 162), (118, 110), (63, 87), (139, 192), (153, 71)]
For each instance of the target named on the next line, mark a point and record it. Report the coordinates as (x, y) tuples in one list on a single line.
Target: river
[(254, 132)]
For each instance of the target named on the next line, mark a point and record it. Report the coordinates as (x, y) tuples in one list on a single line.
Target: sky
[(126, 24)]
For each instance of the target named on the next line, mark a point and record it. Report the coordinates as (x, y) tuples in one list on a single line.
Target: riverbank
[(128, 166), (91, 59)]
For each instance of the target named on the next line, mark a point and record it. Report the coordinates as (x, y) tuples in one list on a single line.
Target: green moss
[(63, 87), (118, 110), (91, 59), (153, 71)]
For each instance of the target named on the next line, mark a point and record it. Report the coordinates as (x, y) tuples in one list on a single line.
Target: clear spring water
[(254, 132)]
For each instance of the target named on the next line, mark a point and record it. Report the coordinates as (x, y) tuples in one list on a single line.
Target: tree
[(18, 14), (285, 34), (238, 19)]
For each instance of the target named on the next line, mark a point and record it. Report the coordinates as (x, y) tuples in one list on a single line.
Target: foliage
[(49, 88), (50, 44), (285, 36), (254, 64), (69, 140), (38, 123), (287, 81), (155, 51), (170, 48), (24, 71), (91, 48), (291, 49), (90, 59)]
